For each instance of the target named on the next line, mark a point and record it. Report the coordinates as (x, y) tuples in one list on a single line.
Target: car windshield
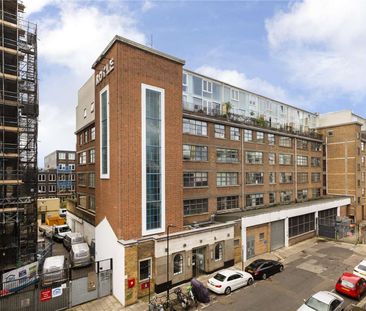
[(362, 267), (256, 264), (317, 305), (63, 229), (219, 277), (347, 284)]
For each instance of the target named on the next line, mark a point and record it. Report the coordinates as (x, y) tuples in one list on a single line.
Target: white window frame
[(51, 188), (150, 272), (106, 175), (209, 86), (145, 87), (234, 95)]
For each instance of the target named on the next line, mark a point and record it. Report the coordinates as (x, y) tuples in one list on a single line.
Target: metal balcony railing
[(236, 115)]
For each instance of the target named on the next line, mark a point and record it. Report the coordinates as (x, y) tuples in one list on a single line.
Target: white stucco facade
[(77, 224), (184, 241), (106, 247), (285, 214)]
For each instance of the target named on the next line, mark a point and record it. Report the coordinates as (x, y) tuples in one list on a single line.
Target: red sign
[(131, 283), (145, 285), (46, 294)]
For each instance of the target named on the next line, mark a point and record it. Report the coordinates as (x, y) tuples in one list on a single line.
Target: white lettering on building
[(105, 71)]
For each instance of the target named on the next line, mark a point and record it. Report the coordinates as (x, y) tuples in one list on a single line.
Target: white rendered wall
[(285, 214), (106, 247), (176, 241)]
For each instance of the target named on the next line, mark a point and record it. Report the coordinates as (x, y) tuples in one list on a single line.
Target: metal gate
[(37, 297), (277, 234), (250, 247), (327, 223), (95, 285), (77, 287)]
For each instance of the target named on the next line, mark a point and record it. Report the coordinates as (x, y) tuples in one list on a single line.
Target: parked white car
[(360, 269), (80, 255), (53, 270), (227, 280), (323, 301)]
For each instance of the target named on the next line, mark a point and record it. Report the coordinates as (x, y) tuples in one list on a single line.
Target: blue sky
[(290, 51)]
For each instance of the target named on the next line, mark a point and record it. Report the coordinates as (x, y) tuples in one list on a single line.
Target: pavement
[(312, 262)]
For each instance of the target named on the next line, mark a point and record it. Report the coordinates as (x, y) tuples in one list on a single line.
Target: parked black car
[(262, 268)]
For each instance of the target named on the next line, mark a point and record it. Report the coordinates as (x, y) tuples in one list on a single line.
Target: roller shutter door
[(277, 234)]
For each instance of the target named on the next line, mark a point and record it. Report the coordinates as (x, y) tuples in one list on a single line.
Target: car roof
[(324, 296), (74, 234), (61, 226), (54, 261), (80, 247), (228, 272), (350, 277)]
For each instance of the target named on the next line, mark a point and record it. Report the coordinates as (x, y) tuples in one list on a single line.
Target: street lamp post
[(167, 261)]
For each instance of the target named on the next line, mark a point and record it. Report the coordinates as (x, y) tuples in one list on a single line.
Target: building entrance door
[(250, 247), (198, 261)]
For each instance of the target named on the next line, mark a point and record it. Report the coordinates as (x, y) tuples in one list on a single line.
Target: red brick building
[(233, 174)]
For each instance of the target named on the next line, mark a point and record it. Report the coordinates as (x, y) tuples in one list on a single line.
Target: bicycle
[(155, 304)]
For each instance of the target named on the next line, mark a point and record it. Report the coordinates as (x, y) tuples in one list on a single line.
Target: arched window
[(218, 251), (178, 264)]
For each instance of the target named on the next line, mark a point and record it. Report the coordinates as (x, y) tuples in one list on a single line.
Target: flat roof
[(253, 212), (139, 46)]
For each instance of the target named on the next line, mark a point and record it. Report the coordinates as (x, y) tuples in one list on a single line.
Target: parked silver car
[(80, 255), (72, 238)]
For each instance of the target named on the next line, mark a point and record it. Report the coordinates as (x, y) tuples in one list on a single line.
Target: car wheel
[(281, 268), (227, 290), (250, 281), (264, 276)]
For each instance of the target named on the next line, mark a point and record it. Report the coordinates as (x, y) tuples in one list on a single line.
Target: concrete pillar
[(243, 243), (286, 233)]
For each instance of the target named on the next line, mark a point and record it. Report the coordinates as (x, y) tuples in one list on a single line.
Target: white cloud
[(239, 79), (69, 42), (147, 5), (34, 6), (323, 44), (81, 34)]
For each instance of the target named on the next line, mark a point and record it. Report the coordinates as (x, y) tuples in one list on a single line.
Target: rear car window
[(219, 277), (362, 267), (347, 284)]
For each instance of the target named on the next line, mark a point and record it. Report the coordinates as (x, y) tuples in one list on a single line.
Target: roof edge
[(136, 45)]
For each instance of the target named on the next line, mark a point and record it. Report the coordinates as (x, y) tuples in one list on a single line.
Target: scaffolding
[(18, 131)]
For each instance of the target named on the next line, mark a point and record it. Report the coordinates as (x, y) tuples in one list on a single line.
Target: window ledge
[(192, 215), (201, 187), (206, 136), (228, 186)]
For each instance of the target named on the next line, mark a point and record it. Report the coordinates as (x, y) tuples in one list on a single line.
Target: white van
[(59, 232), (53, 270), (72, 238), (80, 255)]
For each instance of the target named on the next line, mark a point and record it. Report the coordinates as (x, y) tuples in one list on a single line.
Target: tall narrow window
[(153, 194), (104, 137)]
